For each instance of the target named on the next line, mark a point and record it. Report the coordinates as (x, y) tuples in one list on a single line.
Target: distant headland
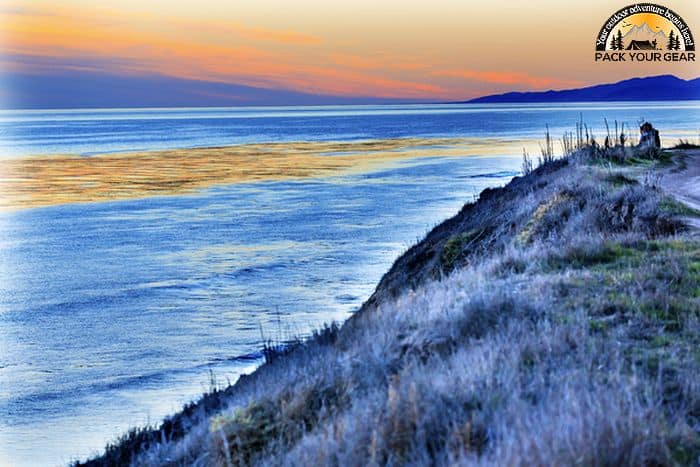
[(653, 88)]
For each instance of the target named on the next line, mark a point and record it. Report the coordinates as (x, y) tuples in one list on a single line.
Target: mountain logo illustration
[(645, 32)]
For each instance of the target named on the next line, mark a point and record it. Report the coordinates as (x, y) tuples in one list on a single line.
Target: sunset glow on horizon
[(448, 50)]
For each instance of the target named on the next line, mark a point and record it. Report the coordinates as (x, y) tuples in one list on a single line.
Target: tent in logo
[(642, 45)]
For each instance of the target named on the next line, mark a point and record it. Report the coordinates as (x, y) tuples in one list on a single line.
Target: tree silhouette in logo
[(674, 41), (616, 42)]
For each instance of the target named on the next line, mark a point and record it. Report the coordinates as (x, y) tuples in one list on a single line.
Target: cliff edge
[(555, 321)]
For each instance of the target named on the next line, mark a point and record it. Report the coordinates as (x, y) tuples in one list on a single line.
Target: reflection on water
[(113, 313), (47, 180)]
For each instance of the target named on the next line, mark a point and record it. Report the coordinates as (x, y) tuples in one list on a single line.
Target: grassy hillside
[(554, 321)]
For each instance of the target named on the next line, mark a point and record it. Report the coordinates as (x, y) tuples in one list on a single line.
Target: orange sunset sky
[(428, 50)]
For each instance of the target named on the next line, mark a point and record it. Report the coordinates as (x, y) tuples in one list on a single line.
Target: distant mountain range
[(644, 33), (653, 88)]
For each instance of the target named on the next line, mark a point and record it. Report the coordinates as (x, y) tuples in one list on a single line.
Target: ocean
[(114, 314)]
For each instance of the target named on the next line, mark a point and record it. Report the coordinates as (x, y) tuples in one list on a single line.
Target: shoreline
[(39, 181), (486, 338)]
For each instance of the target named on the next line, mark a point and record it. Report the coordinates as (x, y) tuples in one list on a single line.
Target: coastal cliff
[(554, 321)]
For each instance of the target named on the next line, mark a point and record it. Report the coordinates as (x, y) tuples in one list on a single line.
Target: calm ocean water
[(113, 314), (109, 130)]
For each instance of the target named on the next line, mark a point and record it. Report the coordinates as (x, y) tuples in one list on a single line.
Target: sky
[(249, 52)]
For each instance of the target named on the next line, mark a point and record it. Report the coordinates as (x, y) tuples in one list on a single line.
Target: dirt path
[(683, 181)]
